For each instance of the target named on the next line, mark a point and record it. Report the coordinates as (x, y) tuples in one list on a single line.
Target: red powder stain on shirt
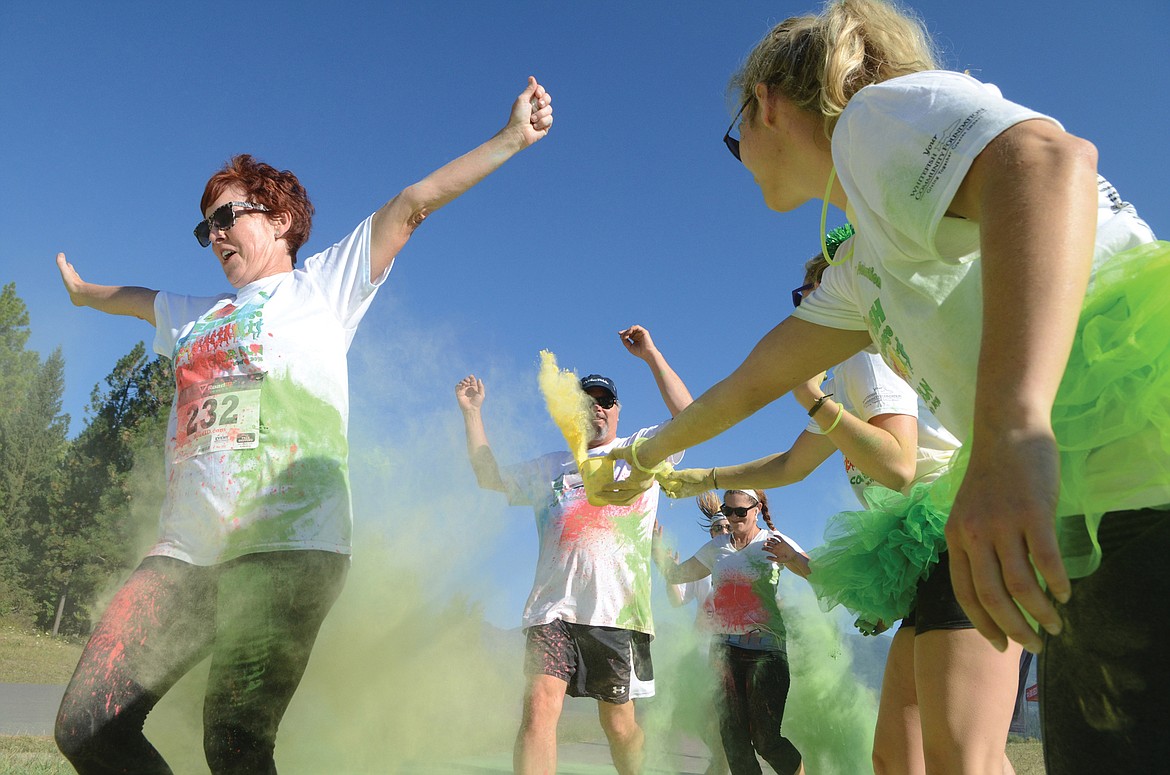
[(582, 520), (224, 311), (736, 604)]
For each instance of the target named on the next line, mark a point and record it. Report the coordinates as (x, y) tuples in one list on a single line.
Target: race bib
[(219, 415)]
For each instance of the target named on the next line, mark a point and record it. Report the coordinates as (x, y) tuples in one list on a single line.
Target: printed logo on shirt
[(225, 341), (894, 354), (939, 150)]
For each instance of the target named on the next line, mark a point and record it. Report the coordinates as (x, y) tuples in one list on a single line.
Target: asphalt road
[(28, 709)]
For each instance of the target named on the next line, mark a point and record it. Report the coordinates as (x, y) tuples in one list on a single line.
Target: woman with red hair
[(254, 536)]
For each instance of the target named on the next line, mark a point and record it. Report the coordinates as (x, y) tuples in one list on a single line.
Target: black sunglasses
[(605, 402), (223, 218), (732, 143), (736, 511), (798, 294), (720, 529)]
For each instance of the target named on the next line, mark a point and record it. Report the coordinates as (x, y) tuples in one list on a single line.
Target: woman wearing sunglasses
[(879, 563), (1024, 300), (748, 647), (254, 536)]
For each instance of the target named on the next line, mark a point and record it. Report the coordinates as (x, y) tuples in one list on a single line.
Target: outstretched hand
[(621, 492), (72, 280), (532, 113), (687, 482), (1001, 534)]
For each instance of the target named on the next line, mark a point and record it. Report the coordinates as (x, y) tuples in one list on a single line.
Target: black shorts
[(607, 663), (935, 605)]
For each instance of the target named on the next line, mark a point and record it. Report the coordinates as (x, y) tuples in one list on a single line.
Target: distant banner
[(1033, 693)]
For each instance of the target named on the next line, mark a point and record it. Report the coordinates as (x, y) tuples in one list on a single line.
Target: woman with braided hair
[(748, 644)]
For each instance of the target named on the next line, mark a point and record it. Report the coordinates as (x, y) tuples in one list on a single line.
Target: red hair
[(278, 190)]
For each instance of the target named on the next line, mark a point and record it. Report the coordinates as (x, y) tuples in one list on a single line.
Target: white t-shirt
[(594, 562), (744, 583), (699, 591), (256, 453), (867, 387), (901, 149)]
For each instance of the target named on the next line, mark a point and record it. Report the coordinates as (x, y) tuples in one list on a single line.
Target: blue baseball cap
[(598, 381)]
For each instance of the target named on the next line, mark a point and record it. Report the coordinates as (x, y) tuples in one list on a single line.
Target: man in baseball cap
[(587, 620)]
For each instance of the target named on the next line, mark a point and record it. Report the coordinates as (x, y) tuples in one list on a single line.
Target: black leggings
[(257, 616), (753, 689), (1105, 680)]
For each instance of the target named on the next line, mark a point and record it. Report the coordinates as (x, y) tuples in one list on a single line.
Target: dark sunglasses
[(798, 294), (720, 529), (732, 143), (605, 402), (222, 219), (736, 511)]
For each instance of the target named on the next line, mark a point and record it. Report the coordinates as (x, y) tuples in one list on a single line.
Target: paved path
[(28, 709)]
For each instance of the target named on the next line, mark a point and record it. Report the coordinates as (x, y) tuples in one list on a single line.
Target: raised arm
[(129, 300), (674, 393), (1033, 191), (395, 221), (885, 447), (470, 393)]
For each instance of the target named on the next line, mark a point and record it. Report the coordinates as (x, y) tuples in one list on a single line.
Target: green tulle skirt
[(1112, 423)]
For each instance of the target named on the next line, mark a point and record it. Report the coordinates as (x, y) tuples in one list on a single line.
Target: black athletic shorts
[(607, 663)]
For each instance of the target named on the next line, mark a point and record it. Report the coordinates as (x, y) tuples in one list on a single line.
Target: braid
[(764, 511)]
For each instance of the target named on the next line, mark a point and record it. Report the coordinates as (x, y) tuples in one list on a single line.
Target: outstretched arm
[(788, 355), (674, 393), (469, 393), (396, 220), (784, 468), (128, 300)]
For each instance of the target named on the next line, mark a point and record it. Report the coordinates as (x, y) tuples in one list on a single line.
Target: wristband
[(634, 458), (840, 412), (818, 403)]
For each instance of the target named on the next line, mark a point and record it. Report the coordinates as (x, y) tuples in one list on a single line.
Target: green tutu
[(1116, 389), (872, 560), (1111, 418)]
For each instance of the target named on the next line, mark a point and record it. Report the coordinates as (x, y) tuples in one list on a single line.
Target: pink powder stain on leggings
[(125, 621)]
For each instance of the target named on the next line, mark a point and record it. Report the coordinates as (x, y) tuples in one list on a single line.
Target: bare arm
[(784, 468), (395, 221), (129, 300), (674, 393), (1033, 192), (680, 573), (885, 447), (470, 393), (788, 355)]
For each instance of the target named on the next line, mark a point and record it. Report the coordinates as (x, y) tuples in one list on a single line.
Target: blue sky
[(113, 116)]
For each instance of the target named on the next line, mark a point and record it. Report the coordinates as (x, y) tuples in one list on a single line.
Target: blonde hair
[(819, 62)]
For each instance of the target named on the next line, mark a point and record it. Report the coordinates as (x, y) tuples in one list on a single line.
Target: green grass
[(31, 756), (36, 658)]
